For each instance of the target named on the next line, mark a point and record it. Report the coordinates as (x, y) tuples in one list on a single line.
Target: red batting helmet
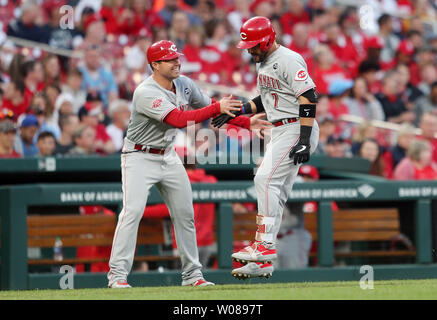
[(257, 30), (162, 50)]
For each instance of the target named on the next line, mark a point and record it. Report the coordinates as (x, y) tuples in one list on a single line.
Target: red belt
[(285, 121), (140, 147)]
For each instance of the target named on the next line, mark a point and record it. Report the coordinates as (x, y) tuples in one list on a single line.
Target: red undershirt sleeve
[(241, 121), (180, 119)]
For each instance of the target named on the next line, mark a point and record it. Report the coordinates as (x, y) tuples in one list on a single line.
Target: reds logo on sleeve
[(301, 75), (157, 103)]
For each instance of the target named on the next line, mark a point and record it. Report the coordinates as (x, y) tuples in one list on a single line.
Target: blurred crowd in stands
[(376, 60)]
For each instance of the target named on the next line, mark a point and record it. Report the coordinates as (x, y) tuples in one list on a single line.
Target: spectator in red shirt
[(300, 44), (326, 70), (118, 19), (145, 15), (7, 139), (33, 77), (91, 114), (14, 98), (418, 164), (238, 72), (404, 55), (295, 14), (342, 47), (369, 71), (319, 20), (373, 47), (206, 60), (52, 70)]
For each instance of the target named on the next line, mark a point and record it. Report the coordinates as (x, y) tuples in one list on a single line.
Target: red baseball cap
[(91, 19), (406, 47), (162, 50), (308, 170), (374, 42)]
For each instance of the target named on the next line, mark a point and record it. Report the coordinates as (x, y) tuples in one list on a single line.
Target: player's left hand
[(258, 125), (300, 153)]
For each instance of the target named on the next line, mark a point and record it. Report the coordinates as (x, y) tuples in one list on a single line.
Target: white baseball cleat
[(119, 285), (199, 283), (253, 270), (256, 252)]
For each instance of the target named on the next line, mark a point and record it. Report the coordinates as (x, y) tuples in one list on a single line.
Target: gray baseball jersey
[(282, 78), (152, 103)]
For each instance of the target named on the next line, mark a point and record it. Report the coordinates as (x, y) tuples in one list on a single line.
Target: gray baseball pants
[(140, 171)]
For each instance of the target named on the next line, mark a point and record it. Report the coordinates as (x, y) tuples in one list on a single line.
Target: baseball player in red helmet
[(160, 106), (288, 97)]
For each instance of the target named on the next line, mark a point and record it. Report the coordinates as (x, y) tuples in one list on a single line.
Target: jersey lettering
[(268, 82)]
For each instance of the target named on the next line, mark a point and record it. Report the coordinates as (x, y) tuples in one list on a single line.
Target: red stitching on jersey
[(157, 103)]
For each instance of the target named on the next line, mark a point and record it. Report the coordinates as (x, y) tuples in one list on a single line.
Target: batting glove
[(223, 118), (301, 151)]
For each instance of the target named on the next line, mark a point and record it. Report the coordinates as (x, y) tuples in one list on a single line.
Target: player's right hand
[(230, 106), (300, 153)]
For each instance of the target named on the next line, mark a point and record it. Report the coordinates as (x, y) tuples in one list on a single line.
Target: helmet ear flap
[(265, 45)]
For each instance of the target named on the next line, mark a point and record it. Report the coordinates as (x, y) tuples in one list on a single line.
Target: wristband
[(307, 111), (259, 104)]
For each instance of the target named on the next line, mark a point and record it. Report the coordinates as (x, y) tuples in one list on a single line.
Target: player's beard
[(258, 58)]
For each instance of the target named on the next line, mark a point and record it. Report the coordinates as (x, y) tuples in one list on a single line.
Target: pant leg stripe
[(124, 208), (273, 171)]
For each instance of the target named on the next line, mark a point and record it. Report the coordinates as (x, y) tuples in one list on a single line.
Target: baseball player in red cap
[(288, 97), (160, 105)]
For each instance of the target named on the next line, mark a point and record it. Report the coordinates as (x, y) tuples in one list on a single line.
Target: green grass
[(393, 290)]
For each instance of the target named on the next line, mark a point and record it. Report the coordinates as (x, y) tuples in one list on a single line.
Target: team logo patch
[(243, 36), (301, 75), (187, 91), (275, 66), (157, 103)]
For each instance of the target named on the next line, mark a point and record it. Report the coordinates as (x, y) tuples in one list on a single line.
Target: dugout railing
[(16, 199)]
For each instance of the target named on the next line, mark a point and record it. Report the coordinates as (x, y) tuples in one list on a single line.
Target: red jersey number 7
[(275, 96)]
